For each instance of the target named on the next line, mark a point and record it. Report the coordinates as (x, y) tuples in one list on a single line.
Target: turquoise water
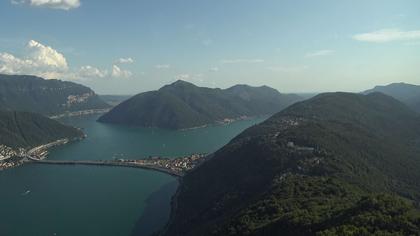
[(87, 200)]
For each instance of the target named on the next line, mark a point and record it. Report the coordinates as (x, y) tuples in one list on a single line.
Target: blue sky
[(130, 46)]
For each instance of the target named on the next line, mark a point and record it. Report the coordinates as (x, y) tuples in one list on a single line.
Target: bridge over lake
[(116, 163)]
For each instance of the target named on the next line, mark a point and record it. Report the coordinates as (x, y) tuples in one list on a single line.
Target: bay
[(106, 201)]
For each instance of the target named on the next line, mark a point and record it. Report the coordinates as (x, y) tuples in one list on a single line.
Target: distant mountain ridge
[(336, 164), (183, 105), (48, 97), (407, 93)]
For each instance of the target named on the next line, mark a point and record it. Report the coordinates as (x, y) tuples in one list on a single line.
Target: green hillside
[(337, 164), (48, 97), (23, 129), (184, 105)]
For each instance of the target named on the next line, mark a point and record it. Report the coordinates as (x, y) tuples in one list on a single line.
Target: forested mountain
[(336, 164), (24, 129), (48, 97), (184, 105), (407, 93)]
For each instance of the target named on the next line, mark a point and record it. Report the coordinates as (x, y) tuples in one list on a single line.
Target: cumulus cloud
[(48, 63), (40, 60), (236, 61), (163, 66), (91, 72), (127, 60), (388, 35), (319, 53), (46, 56), (117, 72), (55, 4)]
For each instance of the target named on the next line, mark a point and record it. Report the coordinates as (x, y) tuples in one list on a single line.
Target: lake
[(107, 201)]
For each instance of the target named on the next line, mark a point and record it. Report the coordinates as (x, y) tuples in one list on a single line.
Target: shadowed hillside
[(24, 129), (48, 97), (337, 164)]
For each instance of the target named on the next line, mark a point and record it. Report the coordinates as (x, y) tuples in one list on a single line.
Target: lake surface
[(105, 201)]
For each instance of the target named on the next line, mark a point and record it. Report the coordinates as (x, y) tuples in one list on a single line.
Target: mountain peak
[(406, 93), (181, 82), (184, 105)]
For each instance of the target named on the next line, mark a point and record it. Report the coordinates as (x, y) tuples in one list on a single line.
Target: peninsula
[(183, 105)]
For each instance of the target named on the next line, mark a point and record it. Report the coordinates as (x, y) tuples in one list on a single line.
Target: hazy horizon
[(127, 47)]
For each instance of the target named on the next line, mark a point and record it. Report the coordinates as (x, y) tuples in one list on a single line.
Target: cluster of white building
[(6, 152)]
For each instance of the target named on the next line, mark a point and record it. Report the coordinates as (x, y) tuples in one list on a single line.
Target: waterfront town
[(10, 157), (175, 166), (178, 165)]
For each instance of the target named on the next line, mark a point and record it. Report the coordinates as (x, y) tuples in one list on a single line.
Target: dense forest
[(336, 164), (24, 129), (183, 105)]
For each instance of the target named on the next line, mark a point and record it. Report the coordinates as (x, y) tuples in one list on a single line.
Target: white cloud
[(47, 56), (48, 63), (40, 60), (127, 60), (319, 53), (388, 35), (236, 61), (163, 66), (91, 72), (117, 72), (55, 4)]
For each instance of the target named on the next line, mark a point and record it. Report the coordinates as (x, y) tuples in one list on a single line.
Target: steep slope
[(406, 93), (184, 105), (337, 164), (48, 97), (24, 130)]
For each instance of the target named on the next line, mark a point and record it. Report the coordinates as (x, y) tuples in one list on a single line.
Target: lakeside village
[(10, 157), (176, 166)]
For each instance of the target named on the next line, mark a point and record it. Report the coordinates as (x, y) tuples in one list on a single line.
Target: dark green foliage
[(48, 97), (407, 93), (376, 215), (23, 129), (184, 105), (318, 167)]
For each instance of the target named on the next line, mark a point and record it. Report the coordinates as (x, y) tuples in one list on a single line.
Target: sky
[(132, 46)]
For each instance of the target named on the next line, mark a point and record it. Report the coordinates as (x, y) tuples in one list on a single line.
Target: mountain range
[(183, 105), (47, 97), (407, 93), (336, 164)]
